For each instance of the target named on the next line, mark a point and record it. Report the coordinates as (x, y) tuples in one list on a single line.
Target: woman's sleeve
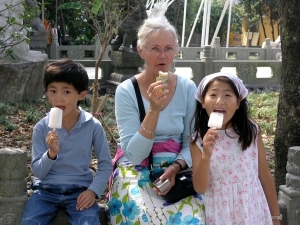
[(135, 146), (185, 153)]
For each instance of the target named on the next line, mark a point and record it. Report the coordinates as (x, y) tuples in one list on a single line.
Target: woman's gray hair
[(151, 25)]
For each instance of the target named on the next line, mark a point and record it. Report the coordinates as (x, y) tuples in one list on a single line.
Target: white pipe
[(184, 21), (207, 22), (170, 2), (194, 25), (220, 22), (204, 24), (228, 26)]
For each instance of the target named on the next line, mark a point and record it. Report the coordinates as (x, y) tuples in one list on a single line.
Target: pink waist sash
[(166, 146)]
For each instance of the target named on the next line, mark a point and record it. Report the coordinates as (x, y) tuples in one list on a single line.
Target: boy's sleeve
[(40, 164), (103, 155)]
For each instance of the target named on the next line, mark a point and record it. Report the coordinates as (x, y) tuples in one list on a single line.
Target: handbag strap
[(138, 98), (142, 110)]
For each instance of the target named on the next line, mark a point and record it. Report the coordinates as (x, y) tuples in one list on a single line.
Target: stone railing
[(76, 52), (91, 52), (210, 59)]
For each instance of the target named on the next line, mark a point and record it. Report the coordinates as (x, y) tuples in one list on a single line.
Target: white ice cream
[(55, 118), (215, 120)]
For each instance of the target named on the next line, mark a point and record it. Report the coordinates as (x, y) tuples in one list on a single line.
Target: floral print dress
[(235, 195), (132, 201)]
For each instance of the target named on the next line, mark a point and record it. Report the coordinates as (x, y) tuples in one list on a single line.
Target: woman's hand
[(169, 174), (209, 142), (157, 94)]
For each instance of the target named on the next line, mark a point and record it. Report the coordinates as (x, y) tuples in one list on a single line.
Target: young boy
[(61, 158)]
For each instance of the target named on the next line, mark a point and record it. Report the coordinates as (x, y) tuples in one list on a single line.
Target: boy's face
[(64, 96)]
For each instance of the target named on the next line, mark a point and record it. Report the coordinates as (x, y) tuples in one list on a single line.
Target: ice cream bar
[(55, 119), (215, 120), (163, 76)]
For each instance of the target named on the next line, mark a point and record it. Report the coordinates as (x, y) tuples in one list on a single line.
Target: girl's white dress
[(235, 195)]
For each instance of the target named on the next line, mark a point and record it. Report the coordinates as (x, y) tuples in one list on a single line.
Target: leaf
[(70, 5), (97, 5)]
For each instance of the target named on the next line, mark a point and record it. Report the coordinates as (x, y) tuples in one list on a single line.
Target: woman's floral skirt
[(132, 200)]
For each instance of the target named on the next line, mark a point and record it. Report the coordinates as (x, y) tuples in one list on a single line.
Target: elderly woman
[(164, 132)]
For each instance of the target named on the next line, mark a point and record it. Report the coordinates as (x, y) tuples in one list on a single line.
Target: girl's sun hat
[(242, 90)]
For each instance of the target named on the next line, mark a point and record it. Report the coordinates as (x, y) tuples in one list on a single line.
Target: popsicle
[(215, 120), (55, 119)]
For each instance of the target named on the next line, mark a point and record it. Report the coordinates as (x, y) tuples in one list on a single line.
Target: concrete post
[(97, 47), (207, 59), (13, 194), (268, 48), (217, 48), (289, 194), (53, 47)]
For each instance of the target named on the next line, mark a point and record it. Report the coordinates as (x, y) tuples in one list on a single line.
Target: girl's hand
[(209, 142), (157, 94), (52, 142), (276, 222)]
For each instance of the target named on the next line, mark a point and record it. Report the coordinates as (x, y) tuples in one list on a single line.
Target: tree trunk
[(288, 118), (263, 25)]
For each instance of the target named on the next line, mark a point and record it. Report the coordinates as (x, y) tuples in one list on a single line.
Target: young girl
[(229, 164)]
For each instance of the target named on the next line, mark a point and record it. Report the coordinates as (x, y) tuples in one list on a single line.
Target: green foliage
[(10, 127), (264, 110), (70, 5)]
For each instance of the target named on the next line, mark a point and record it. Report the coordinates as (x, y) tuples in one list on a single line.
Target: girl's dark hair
[(67, 71), (241, 122)]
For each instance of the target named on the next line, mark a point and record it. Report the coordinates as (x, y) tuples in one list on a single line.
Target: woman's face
[(159, 51)]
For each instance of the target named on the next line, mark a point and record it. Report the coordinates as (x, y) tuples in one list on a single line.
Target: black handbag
[(183, 186)]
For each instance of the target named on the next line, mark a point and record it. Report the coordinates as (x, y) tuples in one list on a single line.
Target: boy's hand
[(52, 142), (85, 200)]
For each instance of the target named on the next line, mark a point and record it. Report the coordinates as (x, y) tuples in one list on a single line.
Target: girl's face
[(220, 97), (159, 51)]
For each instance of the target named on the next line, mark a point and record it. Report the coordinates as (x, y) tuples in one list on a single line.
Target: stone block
[(13, 195), (291, 199), (23, 80)]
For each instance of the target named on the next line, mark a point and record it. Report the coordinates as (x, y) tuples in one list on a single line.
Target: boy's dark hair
[(67, 71), (241, 122)]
